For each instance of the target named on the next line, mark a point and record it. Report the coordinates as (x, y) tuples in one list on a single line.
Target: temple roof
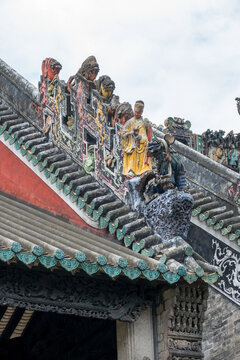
[(85, 193), (69, 246)]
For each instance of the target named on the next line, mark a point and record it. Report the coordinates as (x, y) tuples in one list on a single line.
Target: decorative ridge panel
[(74, 130)]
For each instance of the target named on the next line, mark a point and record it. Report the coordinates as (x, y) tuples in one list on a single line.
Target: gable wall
[(19, 181), (221, 328)]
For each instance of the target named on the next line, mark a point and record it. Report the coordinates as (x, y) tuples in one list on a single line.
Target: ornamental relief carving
[(185, 358), (80, 295), (228, 261), (184, 344)]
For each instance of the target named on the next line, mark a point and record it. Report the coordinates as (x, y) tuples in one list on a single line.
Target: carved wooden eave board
[(97, 205)]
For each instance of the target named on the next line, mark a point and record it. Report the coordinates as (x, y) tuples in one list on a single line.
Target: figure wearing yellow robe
[(135, 137)]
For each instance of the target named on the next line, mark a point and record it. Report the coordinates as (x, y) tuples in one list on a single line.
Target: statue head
[(50, 68), (89, 68), (105, 86), (160, 148), (138, 109), (123, 113)]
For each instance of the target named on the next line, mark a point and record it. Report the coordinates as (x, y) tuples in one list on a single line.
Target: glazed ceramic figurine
[(89, 70), (136, 134)]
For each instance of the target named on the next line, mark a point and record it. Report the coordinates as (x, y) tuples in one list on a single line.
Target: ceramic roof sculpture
[(56, 133)]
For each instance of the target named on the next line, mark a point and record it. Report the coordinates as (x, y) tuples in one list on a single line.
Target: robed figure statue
[(136, 134)]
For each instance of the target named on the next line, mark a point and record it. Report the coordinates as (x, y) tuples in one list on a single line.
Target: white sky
[(181, 57)]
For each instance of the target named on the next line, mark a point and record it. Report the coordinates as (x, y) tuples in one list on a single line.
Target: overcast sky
[(181, 57)]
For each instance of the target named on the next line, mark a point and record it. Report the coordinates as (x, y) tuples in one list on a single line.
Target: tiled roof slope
[(101, 207), (32, 236), (99, 203), (218, 215)]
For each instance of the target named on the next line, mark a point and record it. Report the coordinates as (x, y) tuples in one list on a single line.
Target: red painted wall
[(18, 180)]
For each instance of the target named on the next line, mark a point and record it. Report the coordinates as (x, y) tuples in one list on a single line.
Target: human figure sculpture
[(233, 157), (123, 113), (105, 86), (218, 154), (136, 134), (89, 70)]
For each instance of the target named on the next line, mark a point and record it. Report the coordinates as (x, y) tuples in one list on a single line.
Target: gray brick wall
[(221, 328)]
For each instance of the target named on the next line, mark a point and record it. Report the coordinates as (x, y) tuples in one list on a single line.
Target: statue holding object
[(136, 134)]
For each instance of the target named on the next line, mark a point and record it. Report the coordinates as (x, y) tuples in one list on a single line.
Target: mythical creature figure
[(168, 208), (89, 70), (136, 134), (169, 172), (105, 86), (50, 70), (159, 193)]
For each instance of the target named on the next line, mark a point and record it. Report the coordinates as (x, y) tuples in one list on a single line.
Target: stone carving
[(228, 261), (135, 136), (188, 310), (181, 319), (184, 345), (185, 358), (185, 331)]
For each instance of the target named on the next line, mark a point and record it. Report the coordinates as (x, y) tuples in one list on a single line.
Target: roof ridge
[(70, 178)]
